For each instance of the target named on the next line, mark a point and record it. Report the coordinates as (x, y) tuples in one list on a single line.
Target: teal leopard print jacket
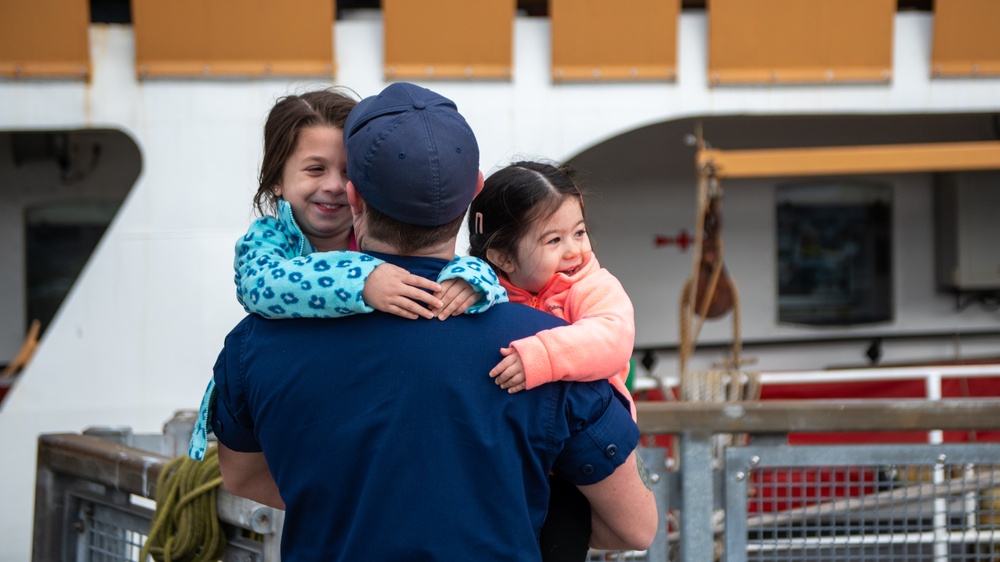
[(279, 274)]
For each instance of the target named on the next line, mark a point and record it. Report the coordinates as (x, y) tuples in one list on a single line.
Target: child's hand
[(457, 296), (392, 289), (509, 372)]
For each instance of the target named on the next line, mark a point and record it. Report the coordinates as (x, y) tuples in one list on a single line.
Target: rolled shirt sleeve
[(231, 421), (605, 438)]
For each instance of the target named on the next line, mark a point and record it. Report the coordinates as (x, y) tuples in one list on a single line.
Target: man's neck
[(445, 250)]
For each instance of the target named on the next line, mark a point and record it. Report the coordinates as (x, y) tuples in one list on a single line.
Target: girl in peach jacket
[(528, 223)]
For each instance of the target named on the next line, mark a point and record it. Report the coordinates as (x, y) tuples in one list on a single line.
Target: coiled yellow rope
[(185, 525)]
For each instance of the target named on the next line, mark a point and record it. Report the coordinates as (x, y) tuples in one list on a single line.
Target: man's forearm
[(247, 475), (623, 509)]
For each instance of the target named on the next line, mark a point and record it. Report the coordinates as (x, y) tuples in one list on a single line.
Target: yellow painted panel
[(448, 38), (840, 160), (45, 38), (966, 38), (596, 40), (800, 41), (233, 38)]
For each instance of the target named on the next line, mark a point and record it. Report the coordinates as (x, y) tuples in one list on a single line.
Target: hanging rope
[(185, 525), (709, 293), (694, 302)]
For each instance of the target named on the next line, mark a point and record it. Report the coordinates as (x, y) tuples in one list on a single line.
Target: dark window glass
[(834, 253), (110, 11), (60, 239)]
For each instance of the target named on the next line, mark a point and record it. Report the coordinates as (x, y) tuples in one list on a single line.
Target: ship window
[(834, 253), (110, 11), (61, 190), (59, 239)]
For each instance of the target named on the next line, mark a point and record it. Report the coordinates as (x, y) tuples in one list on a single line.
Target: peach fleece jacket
[(599, 340)]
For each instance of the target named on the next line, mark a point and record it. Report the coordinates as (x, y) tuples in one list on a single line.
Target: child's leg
[(566, 531)]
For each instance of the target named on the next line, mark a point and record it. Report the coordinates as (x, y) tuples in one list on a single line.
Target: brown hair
[(284, 124), (407, 238)]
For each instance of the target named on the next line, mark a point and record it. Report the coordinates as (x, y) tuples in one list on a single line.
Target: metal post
[(697, 538), (936, 436), (655, 459)]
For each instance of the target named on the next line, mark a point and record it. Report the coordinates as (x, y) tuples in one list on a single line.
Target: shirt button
[(611, 450), (587, 469)]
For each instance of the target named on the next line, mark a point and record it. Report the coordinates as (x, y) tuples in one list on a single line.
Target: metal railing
[(763, 500), (769, 500), (92, 503)]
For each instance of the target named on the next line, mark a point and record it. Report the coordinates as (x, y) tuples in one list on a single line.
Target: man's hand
[(509, 372), (457, 296), (394, 290)]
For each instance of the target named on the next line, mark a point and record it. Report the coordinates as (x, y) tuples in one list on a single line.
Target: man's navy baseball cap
[(411, 155)]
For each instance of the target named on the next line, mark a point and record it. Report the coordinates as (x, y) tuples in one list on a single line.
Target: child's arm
[(468, 285), (275, 280), (597, 344)]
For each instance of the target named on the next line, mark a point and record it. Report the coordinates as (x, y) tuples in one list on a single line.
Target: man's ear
[(500, 259), (357, 213), (479, 183), (354, 199)]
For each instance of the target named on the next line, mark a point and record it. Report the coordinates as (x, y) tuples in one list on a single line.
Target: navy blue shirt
[(388, 440)]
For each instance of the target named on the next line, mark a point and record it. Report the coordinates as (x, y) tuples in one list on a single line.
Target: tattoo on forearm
[(643, 473)]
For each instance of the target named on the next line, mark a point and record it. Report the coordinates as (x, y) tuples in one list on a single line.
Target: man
[(384, 438)]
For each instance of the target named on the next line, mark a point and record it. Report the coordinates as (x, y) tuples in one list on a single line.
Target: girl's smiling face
[(314, 181), (557, 244)]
